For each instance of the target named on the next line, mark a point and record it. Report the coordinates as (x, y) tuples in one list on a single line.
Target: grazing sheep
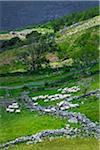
[(64, 107), (53, 99), (59, 104), (35, 104), (53, 109), (46, 100), (72, 89), (63, 92), (47, 110), (34, 98), (17, 111), (59, 89), (68, 95), (82, 102), (56, 98), (11, 110), (41, 97), (7, 109), (10, 106), (14, 104)]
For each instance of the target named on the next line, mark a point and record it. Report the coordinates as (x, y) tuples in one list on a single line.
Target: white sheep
[(7, 109), (53, 109), (47, 110), (17, 111), (34, 98), (35, 104), (62, 108), (59, 89), (10, 106), (53, 99), (46, 100), (59, 104), (11, 110), (14, 104)]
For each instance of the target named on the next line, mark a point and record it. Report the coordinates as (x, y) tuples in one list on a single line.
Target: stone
[(29, 142), (72, 120)]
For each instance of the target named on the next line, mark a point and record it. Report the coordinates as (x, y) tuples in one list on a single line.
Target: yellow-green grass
[(61, 144), (72, 32), (26, 123)]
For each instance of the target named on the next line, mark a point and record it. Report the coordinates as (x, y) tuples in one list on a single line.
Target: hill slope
[(68, 39)]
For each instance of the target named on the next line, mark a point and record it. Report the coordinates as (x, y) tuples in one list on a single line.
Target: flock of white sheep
[(69, 90), (63, 105), (14, 107), (61, 96), (54, 97)]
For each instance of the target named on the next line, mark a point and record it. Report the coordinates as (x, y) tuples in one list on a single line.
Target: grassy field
[(26, 123), (61, 144)]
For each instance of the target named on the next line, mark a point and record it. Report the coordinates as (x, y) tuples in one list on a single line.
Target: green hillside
[(70, 42), (55, 59)]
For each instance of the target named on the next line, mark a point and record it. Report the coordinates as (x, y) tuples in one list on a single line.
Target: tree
[(10, 43), (33, 37), (34, 58)]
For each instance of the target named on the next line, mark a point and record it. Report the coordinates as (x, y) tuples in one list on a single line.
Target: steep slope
[(78, 27), (76, 36)]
